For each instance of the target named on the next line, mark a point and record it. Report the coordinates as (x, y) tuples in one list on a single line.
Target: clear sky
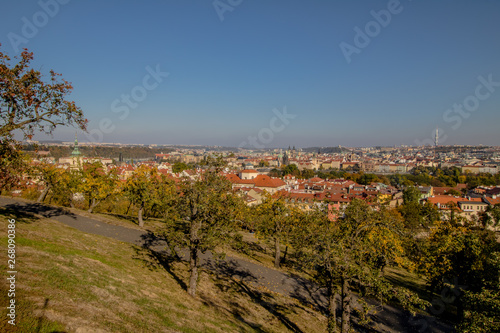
[(342, 76)]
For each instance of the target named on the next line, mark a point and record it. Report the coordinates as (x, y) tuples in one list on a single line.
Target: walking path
[(390, 319)]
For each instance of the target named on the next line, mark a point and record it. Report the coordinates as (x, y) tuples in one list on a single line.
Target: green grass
[(68, 281)]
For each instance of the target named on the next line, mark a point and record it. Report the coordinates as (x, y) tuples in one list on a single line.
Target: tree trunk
[(42, 196), (284, 255), (346, 306), (92, 205), (130, 204), (194, 259), (277, 253), (141, 221), (193, 265), (332, 310)]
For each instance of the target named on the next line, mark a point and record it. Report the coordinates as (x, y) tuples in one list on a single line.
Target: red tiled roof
[(315, 179), (443, 199), (266, 181)]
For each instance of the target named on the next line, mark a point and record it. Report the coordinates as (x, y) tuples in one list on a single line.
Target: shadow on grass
[(309, 293), (19, 216), (21, 210), (230, 275), (42, 320), (27, 318), (154, 255)]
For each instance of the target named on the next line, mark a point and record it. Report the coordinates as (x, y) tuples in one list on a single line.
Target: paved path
[(389, 319)]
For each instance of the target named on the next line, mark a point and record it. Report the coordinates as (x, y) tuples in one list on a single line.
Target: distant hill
[(326, 150), (128, 152)]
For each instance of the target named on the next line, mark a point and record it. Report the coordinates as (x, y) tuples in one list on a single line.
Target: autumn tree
[(345, 255), (13, 162), (29, 104), (97, 184), (67, 187), (146, 188), (205, 217), (274, 222), (49, 176)]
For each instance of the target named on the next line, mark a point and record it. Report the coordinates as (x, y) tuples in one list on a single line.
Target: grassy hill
[(69, 281)]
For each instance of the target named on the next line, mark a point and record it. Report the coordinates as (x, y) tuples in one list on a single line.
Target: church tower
[(76, 154)]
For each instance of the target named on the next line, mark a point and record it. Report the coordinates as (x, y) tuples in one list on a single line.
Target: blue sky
[(225, 77)]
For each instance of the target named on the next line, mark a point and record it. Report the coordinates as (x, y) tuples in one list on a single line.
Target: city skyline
[(382, 73)]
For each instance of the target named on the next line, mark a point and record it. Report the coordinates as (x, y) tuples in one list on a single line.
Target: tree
[(482, 311), (275, 173), (454, 192), (411, 194), (275, 222), (290, 169), (263, 163), (64, 185), (307, 174), (205, 217), (415, 214), (13, 162), (490, 217), (144, 188), (346, 254), (465, 254), (368, 178), (97, 184), (29, 104), (50, 175), (179, 167)]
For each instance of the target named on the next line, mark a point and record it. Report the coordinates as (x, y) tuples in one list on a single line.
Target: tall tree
[(346, 253), (206, 213)]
